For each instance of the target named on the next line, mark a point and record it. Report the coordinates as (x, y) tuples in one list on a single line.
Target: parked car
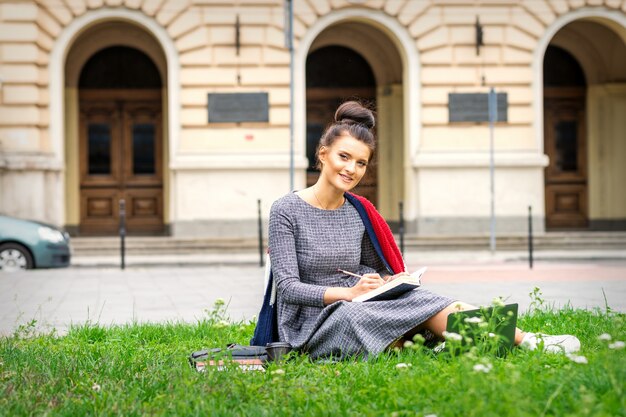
[(26, 244)]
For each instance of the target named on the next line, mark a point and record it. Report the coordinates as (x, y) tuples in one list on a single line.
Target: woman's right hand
[(366, 284)]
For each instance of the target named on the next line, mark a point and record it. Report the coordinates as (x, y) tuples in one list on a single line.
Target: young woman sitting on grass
[(316, 231)]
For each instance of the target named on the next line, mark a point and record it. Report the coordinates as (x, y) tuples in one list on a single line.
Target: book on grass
[(393, 289), (221, 365), (234, 356)]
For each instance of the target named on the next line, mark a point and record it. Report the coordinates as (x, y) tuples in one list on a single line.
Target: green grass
[(142, 369)]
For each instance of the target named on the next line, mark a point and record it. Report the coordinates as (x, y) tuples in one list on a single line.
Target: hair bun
[(352, 112)]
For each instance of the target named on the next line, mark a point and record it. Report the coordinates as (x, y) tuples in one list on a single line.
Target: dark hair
[(351, 118)]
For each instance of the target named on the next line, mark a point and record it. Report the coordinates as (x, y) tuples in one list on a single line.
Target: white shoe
[(564, 343)]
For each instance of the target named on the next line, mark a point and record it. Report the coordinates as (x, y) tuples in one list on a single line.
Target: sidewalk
[(171, 292)]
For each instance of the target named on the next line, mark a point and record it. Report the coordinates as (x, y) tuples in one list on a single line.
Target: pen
[(350, 273), (357, 275)]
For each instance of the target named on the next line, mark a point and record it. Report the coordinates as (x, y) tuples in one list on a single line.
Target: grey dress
[(307, 245)]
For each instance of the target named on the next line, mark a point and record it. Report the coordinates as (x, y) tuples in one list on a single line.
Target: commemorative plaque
[(238, 107), (474, 107)]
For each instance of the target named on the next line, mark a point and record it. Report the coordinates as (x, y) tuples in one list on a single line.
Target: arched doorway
[(584, 103), (353, 59), (333, 75), (120, 142), (565, 140)]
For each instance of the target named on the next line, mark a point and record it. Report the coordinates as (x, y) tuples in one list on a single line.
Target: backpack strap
[(266, 330), (369, 228)]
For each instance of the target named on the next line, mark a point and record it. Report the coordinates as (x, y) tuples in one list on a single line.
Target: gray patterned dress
[(307, 246)]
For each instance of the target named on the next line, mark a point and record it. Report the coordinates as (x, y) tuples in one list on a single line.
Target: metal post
[(530, 237), (492, 119), (261, 258), (122, 233), (401, 228), (289, 46)]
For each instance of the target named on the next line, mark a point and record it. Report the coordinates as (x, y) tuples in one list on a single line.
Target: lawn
[(142, 369)]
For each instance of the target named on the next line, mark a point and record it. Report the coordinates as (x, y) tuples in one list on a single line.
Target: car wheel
[(14, 257)]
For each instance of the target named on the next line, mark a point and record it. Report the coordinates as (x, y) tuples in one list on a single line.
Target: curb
[(411, 258)]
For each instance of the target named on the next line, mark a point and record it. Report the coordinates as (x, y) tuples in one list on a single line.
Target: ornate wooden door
[(121, 158), (565, 145)]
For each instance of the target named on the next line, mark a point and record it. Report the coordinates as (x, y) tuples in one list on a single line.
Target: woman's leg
[(437, 323)]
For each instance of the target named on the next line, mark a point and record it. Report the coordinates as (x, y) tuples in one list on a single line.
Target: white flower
[(618, 344), (497, 302), (492, 334), (479, 367), (605, 336), (576, 358), (473, 320), (452, 336), (278, 372), (96, 387), (430, 415), (403, 365)]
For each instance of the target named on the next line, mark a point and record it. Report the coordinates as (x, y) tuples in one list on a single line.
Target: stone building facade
[(102, 100)]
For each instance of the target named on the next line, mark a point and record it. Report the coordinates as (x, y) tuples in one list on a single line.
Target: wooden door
[(121, 158), (322, 103), (566, 146)]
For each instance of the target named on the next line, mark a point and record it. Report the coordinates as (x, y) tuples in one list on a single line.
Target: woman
[(315, 232)]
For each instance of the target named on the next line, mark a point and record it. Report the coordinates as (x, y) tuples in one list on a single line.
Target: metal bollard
[(261, 257), (530, 237), (122, 232), (401, 227)]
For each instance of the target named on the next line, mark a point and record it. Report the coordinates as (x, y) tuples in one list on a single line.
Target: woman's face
[(344, 162)]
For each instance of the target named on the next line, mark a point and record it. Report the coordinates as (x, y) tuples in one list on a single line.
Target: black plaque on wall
[(238, 107), (474, 107)]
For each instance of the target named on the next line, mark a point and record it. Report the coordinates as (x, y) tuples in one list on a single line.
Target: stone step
[(561, 240), (142, 246), (103, 246)]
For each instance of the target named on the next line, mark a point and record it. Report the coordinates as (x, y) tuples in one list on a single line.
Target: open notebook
[(393, 289)]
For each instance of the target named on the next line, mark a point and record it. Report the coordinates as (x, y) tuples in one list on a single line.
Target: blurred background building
[(182, 108)]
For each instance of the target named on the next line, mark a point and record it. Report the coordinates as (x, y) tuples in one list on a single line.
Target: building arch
[(613, 19), (379, 51), (105, 34), (162, 51), (579, 126), (326, 31)]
